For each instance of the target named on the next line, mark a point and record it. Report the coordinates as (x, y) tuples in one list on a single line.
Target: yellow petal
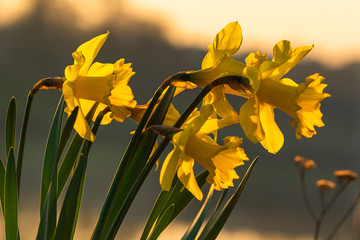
[(89, 50), (274, 139), (81, 126), (227, 41), (168, 170), (101, 69), (285, 58), (120, 113), (171, 116), (86, 105), (187, 177), (250, 120), (122, 96)]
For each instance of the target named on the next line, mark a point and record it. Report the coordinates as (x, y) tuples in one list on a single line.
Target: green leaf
[(11, 198), (48, 197), (71, 155), (163, 222), (50, 158), (10, 126), (133, 162), (23, 137), (193, 230), (213, 227), (72, 201), (68, 215), (48, 217), (222, 198), (2, 184), (178, 196), (66, 132)]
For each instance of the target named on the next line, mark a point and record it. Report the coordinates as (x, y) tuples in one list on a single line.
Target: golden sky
[(331, 25)]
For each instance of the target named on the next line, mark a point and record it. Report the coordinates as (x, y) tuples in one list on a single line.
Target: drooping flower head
[(87, 83), (300, 101), (269, 89), (191, 145)]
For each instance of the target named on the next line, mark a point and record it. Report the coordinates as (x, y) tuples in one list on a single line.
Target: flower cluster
[(86, 83)]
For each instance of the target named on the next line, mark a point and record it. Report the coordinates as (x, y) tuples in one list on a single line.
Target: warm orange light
[(13, 10)]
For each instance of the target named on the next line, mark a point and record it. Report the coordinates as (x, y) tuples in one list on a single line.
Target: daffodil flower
[(86, 82), (216, 63), (269, 90), (192, 145), (300, 101)]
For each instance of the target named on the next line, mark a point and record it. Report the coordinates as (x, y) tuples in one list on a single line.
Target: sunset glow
[(328, 24)]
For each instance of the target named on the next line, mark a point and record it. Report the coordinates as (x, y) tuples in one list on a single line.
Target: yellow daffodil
[(269, 90), (191, 145), (86, 82), (218, 61), (300, 101)]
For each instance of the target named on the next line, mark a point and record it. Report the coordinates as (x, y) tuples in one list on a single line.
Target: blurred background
[(160, 38)]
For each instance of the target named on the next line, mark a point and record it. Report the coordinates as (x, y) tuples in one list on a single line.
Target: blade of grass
[(10, 126), (50, 156), (213, 227), (193, 230), (11, 198)]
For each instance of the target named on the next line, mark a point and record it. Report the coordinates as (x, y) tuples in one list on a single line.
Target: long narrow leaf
[(51, 153), (222, 198), (23, 137), (111, 216), (10, 126), (72, 154), (178, 196), (193, 230), (66, 132), (163, 222), (11, 198), (48, 211), (67, 215), (156, 211), (2, 184), (43, 230), (213, 227), (72, 202)]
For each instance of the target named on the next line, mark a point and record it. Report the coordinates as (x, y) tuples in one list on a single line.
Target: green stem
[(105, 212), (144, 173), (25, 122)]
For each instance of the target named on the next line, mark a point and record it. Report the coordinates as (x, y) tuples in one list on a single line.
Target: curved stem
[(345, 216)]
